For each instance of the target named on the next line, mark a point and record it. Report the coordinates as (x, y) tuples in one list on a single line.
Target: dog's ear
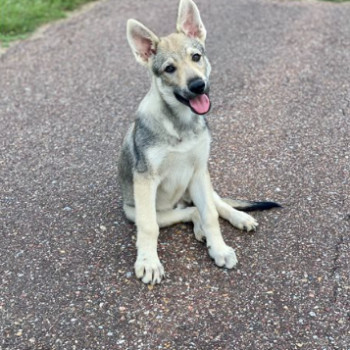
[(142, 41), (189, 21)]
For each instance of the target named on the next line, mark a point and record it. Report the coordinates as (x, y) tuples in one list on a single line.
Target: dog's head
[(177, 61)]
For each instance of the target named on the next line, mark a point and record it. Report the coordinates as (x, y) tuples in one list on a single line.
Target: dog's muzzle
[(197, 98)]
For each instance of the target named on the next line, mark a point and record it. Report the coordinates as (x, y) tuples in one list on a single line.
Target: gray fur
[(143, 138), (149, 130), (197, 125), (125, 173), (146, 132)]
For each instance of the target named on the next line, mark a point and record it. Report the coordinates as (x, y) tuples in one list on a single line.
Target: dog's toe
[(149, 269), (243, 221), (224, 256), (153, 275)]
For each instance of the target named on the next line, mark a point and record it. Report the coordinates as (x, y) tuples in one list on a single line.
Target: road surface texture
[(281, 130)]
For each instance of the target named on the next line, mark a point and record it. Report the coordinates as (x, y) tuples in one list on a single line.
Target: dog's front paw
[(243, 221), (223, 256), (149, 269)]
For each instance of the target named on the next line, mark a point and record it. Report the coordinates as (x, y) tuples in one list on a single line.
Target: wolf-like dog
[(163, 167)]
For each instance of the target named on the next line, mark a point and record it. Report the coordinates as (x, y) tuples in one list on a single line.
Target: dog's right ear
[(189, 21), (142, 41)]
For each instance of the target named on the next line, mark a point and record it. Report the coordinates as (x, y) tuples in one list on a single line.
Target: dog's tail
[(250, 205)]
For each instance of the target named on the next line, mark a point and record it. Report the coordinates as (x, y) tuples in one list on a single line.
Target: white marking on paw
[(243, 221), (149, 268), (224, 256)]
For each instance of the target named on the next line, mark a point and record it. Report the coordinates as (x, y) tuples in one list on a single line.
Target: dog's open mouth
[(199, 104)]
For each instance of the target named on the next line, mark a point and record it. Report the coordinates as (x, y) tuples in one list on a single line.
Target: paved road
[(280, 123)]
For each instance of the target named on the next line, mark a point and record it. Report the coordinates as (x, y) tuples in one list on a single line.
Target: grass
[(18, 18)]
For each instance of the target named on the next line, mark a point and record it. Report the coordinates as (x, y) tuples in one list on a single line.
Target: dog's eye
[(170, 69), (196, 57)]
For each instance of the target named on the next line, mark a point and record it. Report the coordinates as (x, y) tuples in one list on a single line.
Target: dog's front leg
[(201, 192), (147, 266)]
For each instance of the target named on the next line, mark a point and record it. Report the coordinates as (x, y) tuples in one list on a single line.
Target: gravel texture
[(281, 131)]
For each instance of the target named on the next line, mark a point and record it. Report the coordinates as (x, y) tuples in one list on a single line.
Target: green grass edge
[(20, 18)]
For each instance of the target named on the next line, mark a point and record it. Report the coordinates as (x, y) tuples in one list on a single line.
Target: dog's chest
[(186, 154), (178, 166)]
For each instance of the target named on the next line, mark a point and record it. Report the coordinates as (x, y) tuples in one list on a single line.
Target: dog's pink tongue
[(200, 104)]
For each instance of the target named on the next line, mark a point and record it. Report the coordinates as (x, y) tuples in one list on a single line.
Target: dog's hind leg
[(174, 216), (167, 217), (237, 218)]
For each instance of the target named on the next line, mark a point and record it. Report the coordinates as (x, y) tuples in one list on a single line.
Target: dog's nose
[(196, 85)]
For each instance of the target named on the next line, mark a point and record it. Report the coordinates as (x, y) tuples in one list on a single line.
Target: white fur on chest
[(175, 167)]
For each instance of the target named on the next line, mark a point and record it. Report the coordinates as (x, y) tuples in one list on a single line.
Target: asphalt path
[(280, 123)]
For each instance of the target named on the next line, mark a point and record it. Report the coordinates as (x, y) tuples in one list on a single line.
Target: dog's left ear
[(189, 21)]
